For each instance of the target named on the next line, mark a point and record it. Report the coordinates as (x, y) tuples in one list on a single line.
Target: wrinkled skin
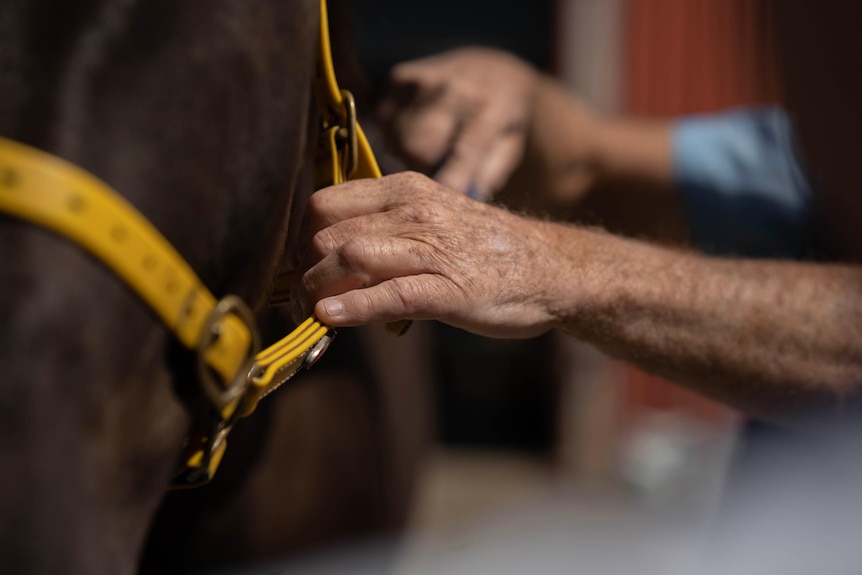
[(409, 247)]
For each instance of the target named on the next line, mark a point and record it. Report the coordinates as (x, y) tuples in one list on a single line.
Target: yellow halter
[(234, 374)]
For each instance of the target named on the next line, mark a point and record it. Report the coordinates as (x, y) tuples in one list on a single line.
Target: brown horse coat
[(198, 112)]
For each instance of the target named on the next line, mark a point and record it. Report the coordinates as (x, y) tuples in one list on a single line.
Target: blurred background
[(544, 445)]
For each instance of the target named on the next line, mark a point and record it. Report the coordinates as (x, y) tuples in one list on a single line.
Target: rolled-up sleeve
[(741, 185)]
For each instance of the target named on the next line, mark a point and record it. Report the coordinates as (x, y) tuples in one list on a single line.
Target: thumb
[(413, 297)]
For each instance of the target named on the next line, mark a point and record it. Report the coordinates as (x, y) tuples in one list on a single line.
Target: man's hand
[(406, 247), (463, 115)]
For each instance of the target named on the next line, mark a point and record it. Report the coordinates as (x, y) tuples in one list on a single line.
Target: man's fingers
[(422, 111), (426, 132), (471, 144), (364, 262), (346, 239), (412, 297), (499, 162), (372, 197), (356, 198), (392, 206), (425, 72)]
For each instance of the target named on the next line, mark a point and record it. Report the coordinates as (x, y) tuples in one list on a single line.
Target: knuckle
[(404, 186), (425, 211), (409, 178), (354, 254), (316, 205), (323, 243)]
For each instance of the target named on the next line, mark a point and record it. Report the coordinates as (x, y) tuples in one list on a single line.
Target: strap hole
[(216, 334), (9, 178), (119, 234), (150, 263), (75, 203)]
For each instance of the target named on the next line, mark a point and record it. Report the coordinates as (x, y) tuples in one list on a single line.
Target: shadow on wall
[(391, 31)]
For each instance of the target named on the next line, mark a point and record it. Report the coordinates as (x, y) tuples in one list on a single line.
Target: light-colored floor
[(504, 513), (461, 487), (483, 512)]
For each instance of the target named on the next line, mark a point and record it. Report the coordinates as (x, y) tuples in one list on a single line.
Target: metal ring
[(223, 395), (350, 133), (317, 351)]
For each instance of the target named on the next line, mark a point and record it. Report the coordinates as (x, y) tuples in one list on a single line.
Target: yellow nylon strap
[(331, 160), (54, 194), (279, 362), (57, 195)]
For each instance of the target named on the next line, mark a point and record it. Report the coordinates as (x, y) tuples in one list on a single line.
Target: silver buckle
[(349, 134), (223, 395)]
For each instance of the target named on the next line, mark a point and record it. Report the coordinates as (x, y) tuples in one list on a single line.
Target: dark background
[(391, 31)]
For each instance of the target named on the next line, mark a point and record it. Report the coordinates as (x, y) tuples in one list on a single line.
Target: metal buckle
[(318, 350), (205, 449), (348, 133), (220, 395)]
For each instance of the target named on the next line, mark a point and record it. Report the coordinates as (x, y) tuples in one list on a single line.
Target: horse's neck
[(196, 112)]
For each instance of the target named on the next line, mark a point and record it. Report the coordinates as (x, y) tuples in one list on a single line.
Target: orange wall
[(686, 56)]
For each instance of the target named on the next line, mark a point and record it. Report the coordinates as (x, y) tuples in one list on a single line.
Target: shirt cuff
[(742, 188)]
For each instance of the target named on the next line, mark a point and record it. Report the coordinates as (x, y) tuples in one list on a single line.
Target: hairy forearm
[(634, 149), (773, 338)]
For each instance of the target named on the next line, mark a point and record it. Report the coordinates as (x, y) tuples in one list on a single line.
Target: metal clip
[(221, 395), (318, 350), (202, 456), (279, 362), (348, 133)]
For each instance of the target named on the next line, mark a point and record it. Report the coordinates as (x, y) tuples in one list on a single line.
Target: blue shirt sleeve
[(742, 187)]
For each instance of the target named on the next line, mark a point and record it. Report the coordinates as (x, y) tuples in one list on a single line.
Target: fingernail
[(333, 307)]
